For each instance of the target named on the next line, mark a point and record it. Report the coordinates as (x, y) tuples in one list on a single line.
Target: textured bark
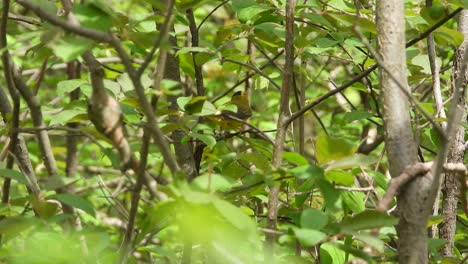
[(184, 152), (282, 126), (401, 146), (450, 187), (73, 72)]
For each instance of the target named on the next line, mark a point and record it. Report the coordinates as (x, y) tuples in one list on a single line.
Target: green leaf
[(353, 251), (380, 179), (340, 177), (15, 225), (367, 220), (15, 175), (371, 240), (317, 19), (249, 13), (434, 220), (144, 40), (238, 5), (66, 115), (355, 161), (71, 47), (354, 201), (182, 101), (259, 160), (436, 244), (76, 202), (328, 148), (347, 21), (235, 216), (209, 140), (331, 196), (192, 49), (309, 237), (312, 218), (92, 17), (295, 158), (213, 182), (330, 253), (451, 36), (307, 171), (112, 86), (356, 115), (67, 86)]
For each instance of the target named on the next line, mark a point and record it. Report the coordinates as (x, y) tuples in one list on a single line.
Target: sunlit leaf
[(354, 161), (209, 140), (295, 158), (330, 148), (67, 86), (339, 177)]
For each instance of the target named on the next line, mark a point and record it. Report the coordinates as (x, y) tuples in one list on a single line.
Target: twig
[(209, 14), (369, 70), (164, 31), (195, 40), (62, 66), (245, 79), (411, 172), (355, 189), (254, 68), (132, 73)]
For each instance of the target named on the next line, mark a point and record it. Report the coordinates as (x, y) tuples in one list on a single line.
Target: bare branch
[(282, 125), (132, 73), (411, 172)]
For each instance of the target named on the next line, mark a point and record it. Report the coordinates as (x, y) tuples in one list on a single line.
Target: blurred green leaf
[(15, 175), (67, 86), (309, 237), (329, 148), (76, 202), (367, 220), (295, 158), (339, 177), (312, 218), (209, 140), (354, 161)]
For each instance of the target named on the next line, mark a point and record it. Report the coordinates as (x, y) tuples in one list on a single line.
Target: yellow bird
[(226, 119)]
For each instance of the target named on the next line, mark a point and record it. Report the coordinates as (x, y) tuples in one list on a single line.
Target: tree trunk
[(401, 146), (450, 187)]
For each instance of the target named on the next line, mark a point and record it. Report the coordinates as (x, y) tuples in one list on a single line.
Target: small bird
[(226, 119)]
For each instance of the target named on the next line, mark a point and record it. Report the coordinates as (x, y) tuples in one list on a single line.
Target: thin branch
[(158, 136), (63, 66), (209, 14), (408, 174), (195, 43), (245, 79), (255, 69), (355, 189), (369, 70), (403, 88), (163, 33), (329, 94), (7, 69)]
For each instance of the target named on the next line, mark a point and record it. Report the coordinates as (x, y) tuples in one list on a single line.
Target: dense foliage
[(333, 172)]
